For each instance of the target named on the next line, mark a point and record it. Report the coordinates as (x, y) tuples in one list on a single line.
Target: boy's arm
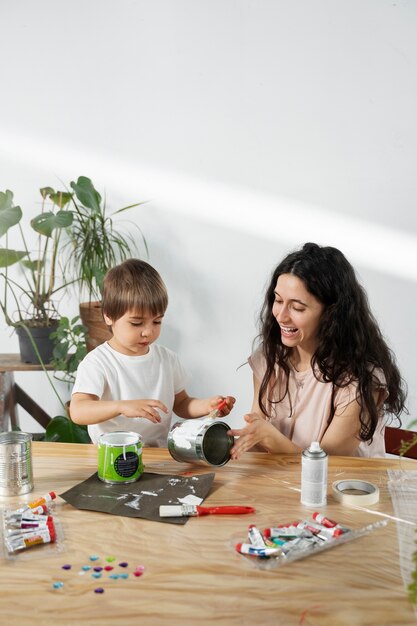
[(87, 409), (189, 408)]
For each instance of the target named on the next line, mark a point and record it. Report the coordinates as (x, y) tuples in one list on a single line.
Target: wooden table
[(192, 574), (12, 394)]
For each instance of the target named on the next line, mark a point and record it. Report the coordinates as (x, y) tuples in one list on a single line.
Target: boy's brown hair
[(134, 285)]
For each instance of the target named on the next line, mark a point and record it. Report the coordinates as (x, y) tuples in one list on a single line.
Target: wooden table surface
[(192, 574)]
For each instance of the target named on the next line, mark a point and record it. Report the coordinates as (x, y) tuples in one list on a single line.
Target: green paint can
[(120, 457)]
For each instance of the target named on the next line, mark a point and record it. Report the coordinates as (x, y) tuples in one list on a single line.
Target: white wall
[(250, 126)]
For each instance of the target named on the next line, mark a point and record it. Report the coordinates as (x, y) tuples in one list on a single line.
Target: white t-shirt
[(110, 375)]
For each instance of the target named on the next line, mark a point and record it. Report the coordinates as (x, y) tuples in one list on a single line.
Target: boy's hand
[(228, 402), (143, 408)]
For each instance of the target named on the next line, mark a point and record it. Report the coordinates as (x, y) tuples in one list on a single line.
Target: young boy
[(130, 383)]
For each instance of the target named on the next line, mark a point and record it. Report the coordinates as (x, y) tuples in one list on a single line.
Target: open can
[(16, 476), (120, 457), (197, 440)]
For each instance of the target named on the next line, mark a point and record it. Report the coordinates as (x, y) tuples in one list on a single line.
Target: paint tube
[(11, 517), (323, 531), (247, 548), (287, 531), (29, 524), (43, 500), (255, 537), (42, 509), (28, 540)]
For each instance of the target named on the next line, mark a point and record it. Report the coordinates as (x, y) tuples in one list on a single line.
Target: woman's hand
[(257, 431)]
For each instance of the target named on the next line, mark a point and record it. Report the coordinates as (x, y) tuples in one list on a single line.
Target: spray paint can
[(314, 476)]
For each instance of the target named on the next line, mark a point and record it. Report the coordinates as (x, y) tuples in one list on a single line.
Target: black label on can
[(126, 465)]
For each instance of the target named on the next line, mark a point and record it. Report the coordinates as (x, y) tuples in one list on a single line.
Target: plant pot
[(41, 338), (97, 330)]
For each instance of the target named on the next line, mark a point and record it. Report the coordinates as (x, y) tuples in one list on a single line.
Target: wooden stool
[(11, 394)]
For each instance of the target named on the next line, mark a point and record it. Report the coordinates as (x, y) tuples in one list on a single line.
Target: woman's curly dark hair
[(350, 343)]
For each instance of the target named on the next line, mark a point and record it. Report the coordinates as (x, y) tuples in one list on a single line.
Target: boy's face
[(134, 332)]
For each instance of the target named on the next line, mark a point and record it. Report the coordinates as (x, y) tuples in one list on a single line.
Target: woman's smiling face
[(297, 312)]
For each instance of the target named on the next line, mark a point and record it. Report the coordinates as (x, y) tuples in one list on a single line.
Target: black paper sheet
[(141, 498)]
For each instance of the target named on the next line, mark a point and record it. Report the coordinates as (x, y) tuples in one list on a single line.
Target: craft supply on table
[(314, 463), (192, 510), (120, 457), (142, 498), (296, 540), (365, 494), (16, 476), (29, 526), (203, 440), (71, 574)]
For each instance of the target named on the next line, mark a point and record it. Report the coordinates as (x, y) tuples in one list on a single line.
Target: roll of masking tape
[(368, 493)]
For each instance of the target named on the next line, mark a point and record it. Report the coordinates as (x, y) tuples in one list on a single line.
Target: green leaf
[(9, 215), (6, 199), (60, 198), (10, 257), (46, 191), (46, 222), (33, 266), (87, 194), (61, 428)]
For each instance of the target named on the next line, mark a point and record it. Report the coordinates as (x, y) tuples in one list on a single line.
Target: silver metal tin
[(16, 477), (200, 440)]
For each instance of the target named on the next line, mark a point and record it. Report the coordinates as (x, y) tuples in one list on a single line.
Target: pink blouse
[(311, 402)]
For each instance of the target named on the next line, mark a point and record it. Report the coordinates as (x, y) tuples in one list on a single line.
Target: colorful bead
[(94, 557), (99, 590), (58, 585), (123, 564)]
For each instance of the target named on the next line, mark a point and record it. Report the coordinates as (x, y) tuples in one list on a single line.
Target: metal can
[(120, 457), (16, 476), (197, 440), (314, 463)]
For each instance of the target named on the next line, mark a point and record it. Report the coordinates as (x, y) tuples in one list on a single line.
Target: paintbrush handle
[(224, 510)]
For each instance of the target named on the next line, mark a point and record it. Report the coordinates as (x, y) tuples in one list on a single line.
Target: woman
[(323, 371)]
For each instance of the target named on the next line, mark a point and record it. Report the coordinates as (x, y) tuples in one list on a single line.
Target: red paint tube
[(324, 521), (42, 500), (28, 540)]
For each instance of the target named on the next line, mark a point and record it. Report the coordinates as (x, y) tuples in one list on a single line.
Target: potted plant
[(28, 301), (97, 244)]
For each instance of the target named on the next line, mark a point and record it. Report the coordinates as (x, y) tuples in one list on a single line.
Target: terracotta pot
[(97, 330)]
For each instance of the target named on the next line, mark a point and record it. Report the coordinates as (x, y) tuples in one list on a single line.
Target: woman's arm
[(342, 436), (259, 432)]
